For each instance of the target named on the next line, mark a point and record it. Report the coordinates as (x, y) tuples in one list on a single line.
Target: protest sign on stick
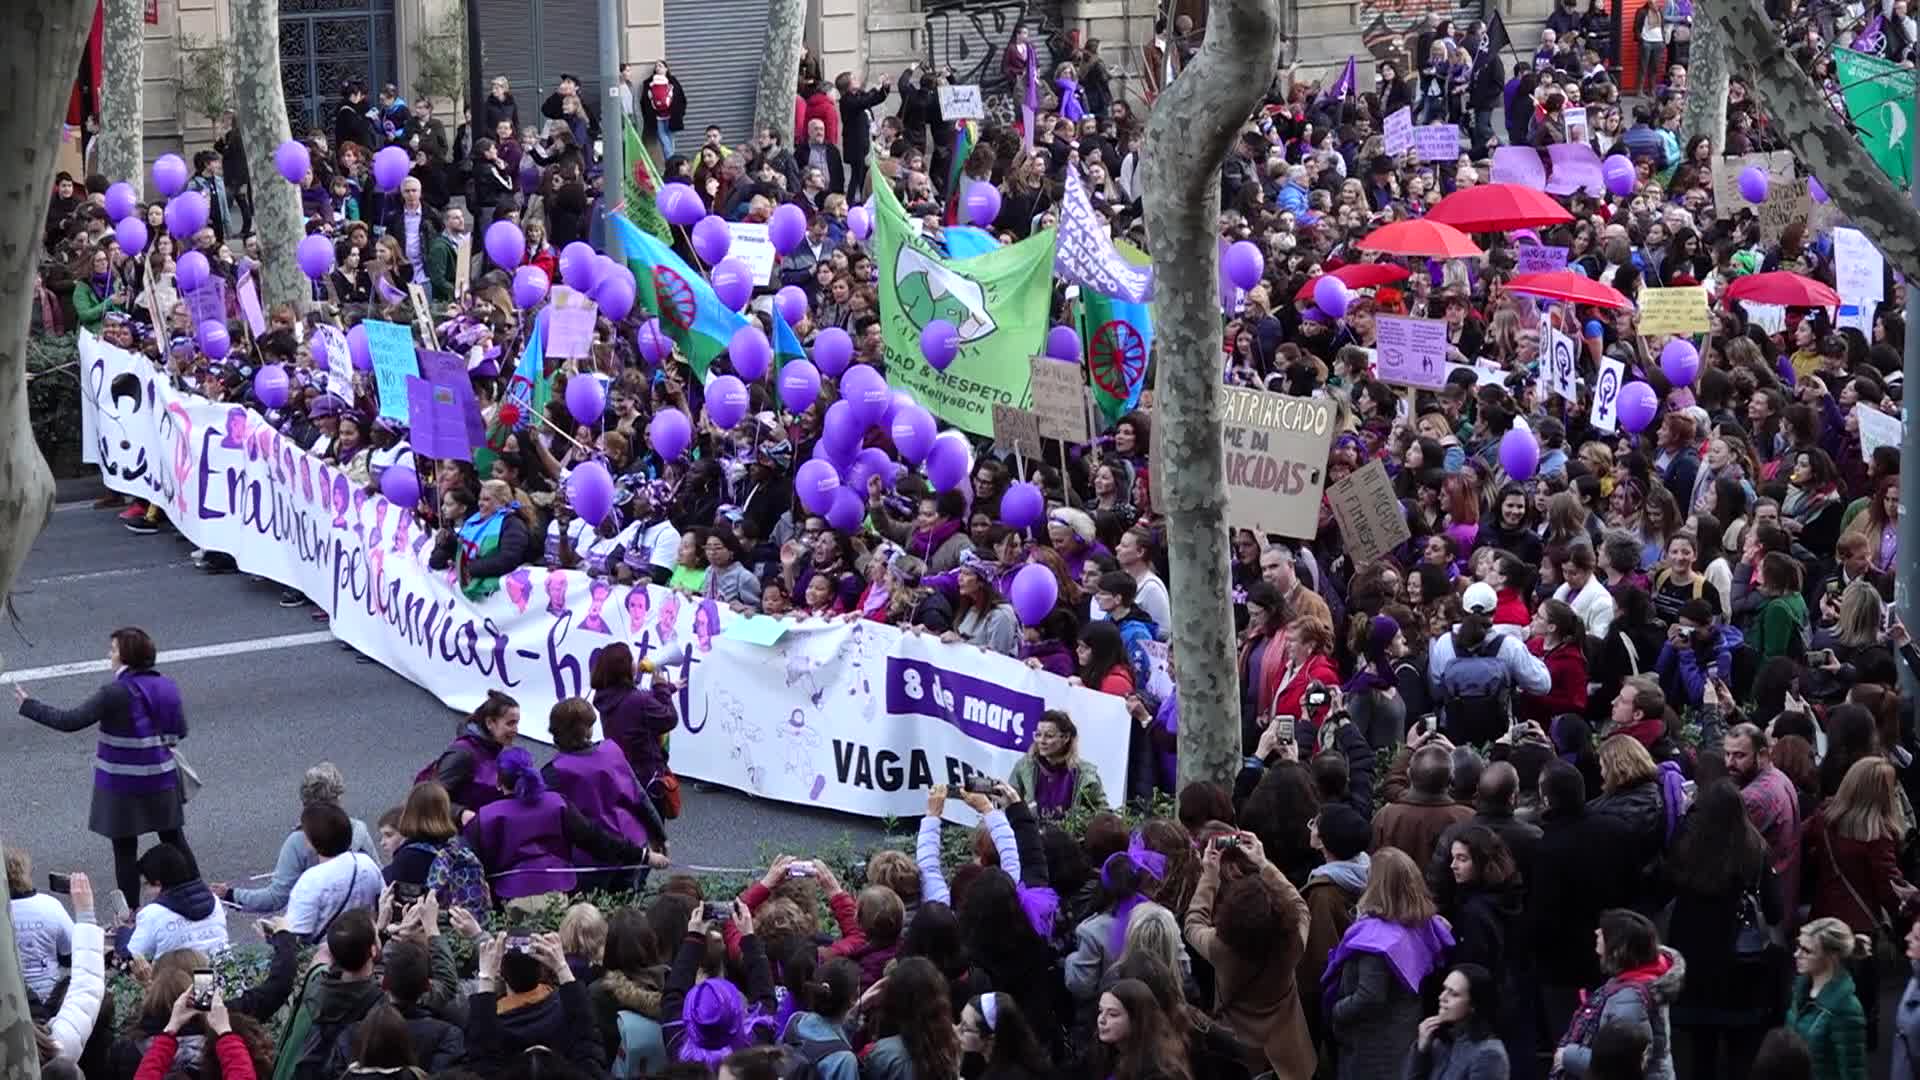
[(1059, 391), (1412, 352), (1371, 521), (1681, 309), (1276, 456)]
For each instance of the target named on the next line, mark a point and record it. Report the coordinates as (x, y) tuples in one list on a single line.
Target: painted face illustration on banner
[(236, 429), (125, 430), (598, 592), (666, 623), (637, 614), (706, 623), (556, 593), (519, 587)]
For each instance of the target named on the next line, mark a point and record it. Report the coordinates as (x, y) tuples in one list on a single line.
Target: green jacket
[(1834, 1027), (92, 312), (442, 256), (1088, 794), (1779, 622)]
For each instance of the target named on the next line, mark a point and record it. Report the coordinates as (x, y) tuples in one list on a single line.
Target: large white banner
[(857, 716)]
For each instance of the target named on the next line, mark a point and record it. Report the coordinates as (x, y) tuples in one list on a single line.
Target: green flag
[(643, 185), (1879, 97), (998, 301)]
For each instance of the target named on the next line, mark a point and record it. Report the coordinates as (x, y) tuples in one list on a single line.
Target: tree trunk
[(1194, 123), (261, 106), (774, 95), (1706, 112), (123, 71), (1817, 135), (43, 51)]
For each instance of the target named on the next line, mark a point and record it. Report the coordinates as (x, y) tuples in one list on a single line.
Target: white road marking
[(172, 656)]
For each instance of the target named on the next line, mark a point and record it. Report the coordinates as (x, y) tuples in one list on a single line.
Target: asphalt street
[(266, 696)]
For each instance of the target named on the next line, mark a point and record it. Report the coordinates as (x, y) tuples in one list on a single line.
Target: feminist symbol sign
[(1606, 395), (1557, 367)]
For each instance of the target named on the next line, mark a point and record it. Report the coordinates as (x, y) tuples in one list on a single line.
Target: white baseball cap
[(1480, 599)]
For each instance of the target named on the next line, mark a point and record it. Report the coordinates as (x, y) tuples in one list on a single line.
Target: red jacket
[(1567, 666), (1871, 868), (235, 1062), (1511, 609), (818, 107), (1287, 702)]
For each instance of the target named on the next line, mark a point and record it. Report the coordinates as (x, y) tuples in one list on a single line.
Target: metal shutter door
[(716, 47), (569, 43), (506, 48)]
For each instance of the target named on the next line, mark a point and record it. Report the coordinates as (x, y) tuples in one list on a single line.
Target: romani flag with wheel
[(1117, 337), (689, 313)]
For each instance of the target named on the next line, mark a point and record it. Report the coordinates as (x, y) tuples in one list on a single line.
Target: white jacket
[(158, 929), (1594, 605), (73, 1025), (43, 933)]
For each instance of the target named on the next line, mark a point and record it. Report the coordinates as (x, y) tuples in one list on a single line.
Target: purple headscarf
[(1376, 673), (1148, 862)]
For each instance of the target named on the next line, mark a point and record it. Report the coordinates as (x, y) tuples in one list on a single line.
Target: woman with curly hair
[(917, 1038)]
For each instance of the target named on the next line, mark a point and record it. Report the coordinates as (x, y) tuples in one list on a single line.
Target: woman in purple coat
[(136, 782), (469, 769), (596, 779), (527, 838), (635, 720)]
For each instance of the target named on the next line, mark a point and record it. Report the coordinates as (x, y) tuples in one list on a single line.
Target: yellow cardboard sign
[(1679, 310)]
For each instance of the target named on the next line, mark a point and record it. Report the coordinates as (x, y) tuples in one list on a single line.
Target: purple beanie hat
[(715, 1019)]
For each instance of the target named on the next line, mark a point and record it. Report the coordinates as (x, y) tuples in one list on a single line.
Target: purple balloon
[(841, 430), (815, 481), (786, 228), (292, 161), (506, 244), (799, 385), (530, 285), (1636, 406), (357, 348), (131, 232), (1063, 343), (169, 175), (732, 283), (1815, 191), (859, 222), (1753, 184), (832, 350), (1330, 295), (1245, 264), (655, 345), (578, 266), (711, 240), (940, 343), (750, 352), (590, 492), (315, 256), (186, 214), (913, 432), (681, 205), (840, 456), (848, 509), (670, 433), (390, 168), (1519, 453), (982, 202), (615, 294), (866, 390), (791, 303), (401, 486), (586, 399), (727, 400), (191, 271), (1680, 362), (121, 201), (949, 461), (271, 386), (1033, 593), (1618, 173), (214, 339), (1023, 505), (529, 175), (872, 461)]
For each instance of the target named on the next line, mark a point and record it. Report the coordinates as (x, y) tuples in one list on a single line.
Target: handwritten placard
[(391, 346), (1412, 352), (1859, 270), (752, 246), (1606, 394), (1371, 522), (1397, 136), (1437, 142), (1060, 398), (1276, 456), (1539, 259), (570, 323), (209, 301), (1014, 427), (328, 339), (1679, 310), (962, 102), (1727, 199), (1877, 429)]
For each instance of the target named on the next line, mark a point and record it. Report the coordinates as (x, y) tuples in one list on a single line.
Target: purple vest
[(484, 788), (601, 785), (527, 837), (133, 756)]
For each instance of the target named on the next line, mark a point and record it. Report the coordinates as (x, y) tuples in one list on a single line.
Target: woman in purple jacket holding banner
[(597, 779), (138, 786), (528, 838)]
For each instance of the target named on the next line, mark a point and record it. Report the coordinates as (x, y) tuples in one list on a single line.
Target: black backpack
[(801, 1057)]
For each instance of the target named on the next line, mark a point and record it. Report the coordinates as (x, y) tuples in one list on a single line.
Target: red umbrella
[(1785, 288), (1498, 208), (1420, 237), (1359, 276), (1571, 286)]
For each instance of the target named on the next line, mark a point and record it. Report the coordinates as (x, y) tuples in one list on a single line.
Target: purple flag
[(449, 372), (1085, 255), (1575, 166), (1342, 87), (1518, 165), (433, 420)]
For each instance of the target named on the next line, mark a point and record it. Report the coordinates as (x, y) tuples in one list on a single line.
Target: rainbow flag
[(966, 135)]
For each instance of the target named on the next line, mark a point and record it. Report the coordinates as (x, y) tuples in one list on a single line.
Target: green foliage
[(442, 59), (206, 78), (53, 396)]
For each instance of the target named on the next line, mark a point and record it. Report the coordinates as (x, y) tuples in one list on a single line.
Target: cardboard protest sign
[(570, 322), (1859, 270), (1787, 203), (1276, 456), (1412, 352), (462, 265), (422, 314), (1397, 135), (1539, 259), (1678, 310), (1437, 142), (1559, 367), (1606, 394), (1016, 428), (1371, 522), (962, 102), (1574, 118), (391, 346), (752, 246), (1727, 200), (1877, 429), (1059, 392), (248, 292)]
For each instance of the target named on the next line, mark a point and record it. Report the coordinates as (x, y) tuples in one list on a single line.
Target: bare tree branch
[(1194, 122)]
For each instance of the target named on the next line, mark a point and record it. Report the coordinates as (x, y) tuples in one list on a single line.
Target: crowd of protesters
[(1603, 773)]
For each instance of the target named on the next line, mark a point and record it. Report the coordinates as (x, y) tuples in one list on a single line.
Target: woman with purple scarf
[(1371, 989), (1373, 697), (1125, 880), (1052, 775)]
